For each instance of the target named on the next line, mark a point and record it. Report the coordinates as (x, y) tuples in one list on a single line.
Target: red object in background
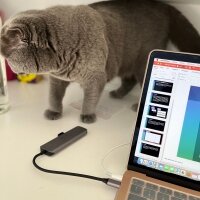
[(2, 15), (10, 74)]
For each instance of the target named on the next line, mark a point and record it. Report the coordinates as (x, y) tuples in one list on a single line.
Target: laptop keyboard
[(141, 190)]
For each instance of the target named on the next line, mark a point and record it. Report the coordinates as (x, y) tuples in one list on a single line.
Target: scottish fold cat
[(92, 44)]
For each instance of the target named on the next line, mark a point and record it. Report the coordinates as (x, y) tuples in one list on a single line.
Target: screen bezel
[(176, 179)]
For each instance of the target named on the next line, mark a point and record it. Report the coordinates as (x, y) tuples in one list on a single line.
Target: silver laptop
[(164, 162)]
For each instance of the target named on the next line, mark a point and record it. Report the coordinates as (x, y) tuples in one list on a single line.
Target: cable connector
[(114, 181)]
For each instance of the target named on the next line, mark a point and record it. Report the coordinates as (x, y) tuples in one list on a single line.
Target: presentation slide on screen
[(170, 125), (191, 125)]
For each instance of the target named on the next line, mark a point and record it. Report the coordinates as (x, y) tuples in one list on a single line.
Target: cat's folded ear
[(14, 32), (11, 39)]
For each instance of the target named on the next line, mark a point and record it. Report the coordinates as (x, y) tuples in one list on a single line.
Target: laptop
[(164, 162)]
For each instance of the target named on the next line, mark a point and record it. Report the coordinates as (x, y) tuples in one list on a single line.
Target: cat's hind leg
[(56, 94), (127, 84)]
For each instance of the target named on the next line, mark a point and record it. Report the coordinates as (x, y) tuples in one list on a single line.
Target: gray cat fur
[(92, 44)]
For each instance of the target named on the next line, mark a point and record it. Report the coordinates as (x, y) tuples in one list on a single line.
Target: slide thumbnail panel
[(152, 137), (155, 124), (163, 86), (160, 99), (157, 111)]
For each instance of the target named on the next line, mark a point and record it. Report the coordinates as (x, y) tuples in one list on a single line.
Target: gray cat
[(93, 44)]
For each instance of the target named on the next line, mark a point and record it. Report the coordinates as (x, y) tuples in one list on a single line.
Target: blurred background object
[(4, 105)]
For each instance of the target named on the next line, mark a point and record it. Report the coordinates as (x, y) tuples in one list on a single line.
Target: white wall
[(191, 11), (191, 8), (11, 7)]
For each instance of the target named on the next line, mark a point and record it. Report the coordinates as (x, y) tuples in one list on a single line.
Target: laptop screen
[(168, 134)]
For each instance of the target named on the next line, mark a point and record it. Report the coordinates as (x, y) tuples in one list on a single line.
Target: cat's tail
[(182, 33)]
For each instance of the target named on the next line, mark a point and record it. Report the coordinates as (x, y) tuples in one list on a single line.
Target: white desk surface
[(23, 129)]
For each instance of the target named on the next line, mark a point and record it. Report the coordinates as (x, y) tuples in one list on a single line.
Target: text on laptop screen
[(169, 135)]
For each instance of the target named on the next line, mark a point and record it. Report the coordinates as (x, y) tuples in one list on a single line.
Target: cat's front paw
[(90, 118), (116, 94), (135, 107), (52, 115)]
